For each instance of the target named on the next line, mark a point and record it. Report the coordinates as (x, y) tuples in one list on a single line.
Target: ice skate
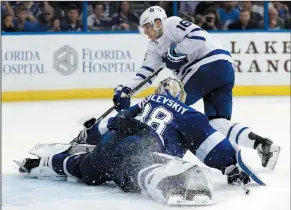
[(268, 152)]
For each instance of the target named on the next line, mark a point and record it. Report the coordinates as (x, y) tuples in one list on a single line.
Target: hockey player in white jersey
[(204, 67)]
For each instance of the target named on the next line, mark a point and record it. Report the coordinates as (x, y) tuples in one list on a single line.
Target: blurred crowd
[(40, 16), (237, 15), (33, 16)]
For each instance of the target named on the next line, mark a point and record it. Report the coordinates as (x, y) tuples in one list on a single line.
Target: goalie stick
[(248, 170)]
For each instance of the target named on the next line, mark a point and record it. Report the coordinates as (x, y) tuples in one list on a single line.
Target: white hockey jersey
[(199, 46)]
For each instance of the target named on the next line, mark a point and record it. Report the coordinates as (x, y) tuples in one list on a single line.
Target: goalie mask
[(173, 87)]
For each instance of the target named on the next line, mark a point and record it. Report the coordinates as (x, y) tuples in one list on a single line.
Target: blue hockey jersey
[(182, 128)]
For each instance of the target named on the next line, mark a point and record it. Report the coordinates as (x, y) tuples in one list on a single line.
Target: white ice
[(25, 124)]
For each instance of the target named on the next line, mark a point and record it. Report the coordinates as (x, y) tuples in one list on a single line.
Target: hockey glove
[(236, 176), (120, 99), (174, 60)]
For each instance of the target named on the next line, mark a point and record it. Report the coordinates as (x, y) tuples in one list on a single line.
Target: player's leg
[(243, 136), (218, 108), (207, 78), (213, 149)]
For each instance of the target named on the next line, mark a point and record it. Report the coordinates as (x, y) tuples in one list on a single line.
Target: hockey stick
[(93, 121)]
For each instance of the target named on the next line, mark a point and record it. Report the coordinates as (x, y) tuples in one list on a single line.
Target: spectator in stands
[(33, 10), (21, 23), (97, 21), (244, 23), (6, 8), (210, 20), (125, 19), (275, 22), (58, 11), (258, 7), (187, 9), (247, 6), (110, 7), (65, 5), (45, 19), (203, 6), (56, 24), (283, 10), (227, 13), (71, 23), (166, 5), (288, 23), (7, 23)]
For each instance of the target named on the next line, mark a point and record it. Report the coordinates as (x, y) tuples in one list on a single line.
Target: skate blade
[(198, 200), (273, 160), (21, 168)]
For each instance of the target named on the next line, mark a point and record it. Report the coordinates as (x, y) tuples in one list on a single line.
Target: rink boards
[(49, 67)]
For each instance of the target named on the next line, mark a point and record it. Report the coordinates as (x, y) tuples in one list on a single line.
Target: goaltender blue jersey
[(181, 128)]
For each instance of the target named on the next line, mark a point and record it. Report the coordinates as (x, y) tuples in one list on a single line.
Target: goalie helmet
[(150, 15), (173, 87)]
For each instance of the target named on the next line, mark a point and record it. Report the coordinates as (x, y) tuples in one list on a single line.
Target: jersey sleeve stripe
[(196, 37), (208, 145), (196, 29), (239, 133), (143, 77), (148, 68)]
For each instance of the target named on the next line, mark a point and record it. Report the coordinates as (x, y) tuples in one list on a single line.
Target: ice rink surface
[(25, 124)]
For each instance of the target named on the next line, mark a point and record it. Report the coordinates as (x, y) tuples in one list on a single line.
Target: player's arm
[(151, 63), (93, 132), (188, 36), (190, 41)]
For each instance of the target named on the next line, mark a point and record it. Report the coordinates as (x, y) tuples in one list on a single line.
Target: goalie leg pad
[(45, 171), (50, 164), (177, 183), (46, 150)]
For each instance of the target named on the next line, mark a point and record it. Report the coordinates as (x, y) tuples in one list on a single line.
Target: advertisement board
[(37, 67)]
